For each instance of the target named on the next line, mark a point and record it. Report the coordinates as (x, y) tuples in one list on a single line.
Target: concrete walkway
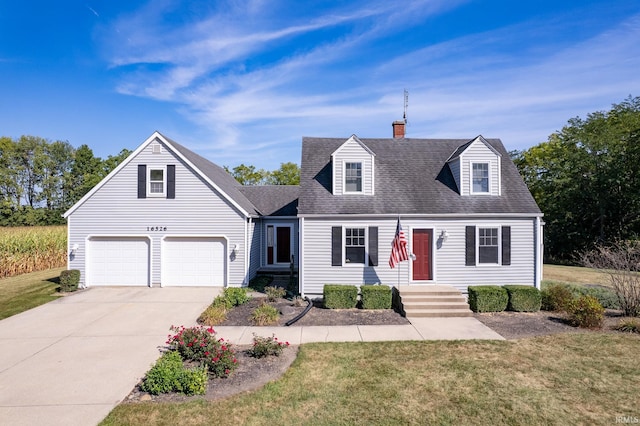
[(71, 361), (419, 329)]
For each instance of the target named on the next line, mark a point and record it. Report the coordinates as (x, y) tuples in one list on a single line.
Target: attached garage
[(118, 261), (193, 261)]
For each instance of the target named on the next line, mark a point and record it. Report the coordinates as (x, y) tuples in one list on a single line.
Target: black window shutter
[(470, 246), (336, 246), (373, 246), (171, 181), (506, 245), (142, 181)]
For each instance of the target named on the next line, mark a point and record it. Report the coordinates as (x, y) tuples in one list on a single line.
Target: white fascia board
[(441, 215)]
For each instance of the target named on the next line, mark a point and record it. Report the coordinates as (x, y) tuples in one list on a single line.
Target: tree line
[(40, 179), (287, 174), (586, 180)]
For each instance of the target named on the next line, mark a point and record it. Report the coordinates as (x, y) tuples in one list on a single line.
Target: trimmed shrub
[(69, 280), (265, 314), (586, 312), (338, 296), (236, 295), (487, 298), (376, 296), (556, 297), (274, 293), (523, 298), (266, 346), (259, 282)]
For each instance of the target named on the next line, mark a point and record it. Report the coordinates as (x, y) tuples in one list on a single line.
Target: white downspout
[(301, 256), (247, 251), (539, 253)]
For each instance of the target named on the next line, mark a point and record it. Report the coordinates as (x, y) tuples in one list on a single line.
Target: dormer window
[(480, 173), (353, 177), (156, 182)]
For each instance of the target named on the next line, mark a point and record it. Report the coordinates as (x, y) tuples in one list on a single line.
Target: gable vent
[(156, 148)]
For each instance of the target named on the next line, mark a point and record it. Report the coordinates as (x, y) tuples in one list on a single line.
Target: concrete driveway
[(71, 361)]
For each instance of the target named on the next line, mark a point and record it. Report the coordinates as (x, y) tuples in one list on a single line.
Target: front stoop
[(428, 301)]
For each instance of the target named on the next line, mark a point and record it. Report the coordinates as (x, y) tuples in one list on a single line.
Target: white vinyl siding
[(448, 256), (196, 210), (351, 152), (479, 153), (455, 171)]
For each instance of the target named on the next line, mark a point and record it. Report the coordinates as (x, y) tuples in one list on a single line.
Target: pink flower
[(286, 343)]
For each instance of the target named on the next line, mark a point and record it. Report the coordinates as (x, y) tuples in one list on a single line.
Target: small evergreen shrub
[(376, 296), (236, 295), (606, 296), (487, 298), (163, 375), (69, 280), (337, 296), (265, 314), (168, 374), (629, 325), (259, 282), (556, 297), (213, 315), (192, 381), (586, 312), (275, 293), (266, 346), (523, 298)]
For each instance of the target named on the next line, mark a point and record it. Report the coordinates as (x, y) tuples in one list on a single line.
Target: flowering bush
[(199, 344), (265, 346)]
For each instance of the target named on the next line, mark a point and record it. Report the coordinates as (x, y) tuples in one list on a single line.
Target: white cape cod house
[(168, 217)]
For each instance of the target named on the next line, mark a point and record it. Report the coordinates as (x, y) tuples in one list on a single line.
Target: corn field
[(32, 248)]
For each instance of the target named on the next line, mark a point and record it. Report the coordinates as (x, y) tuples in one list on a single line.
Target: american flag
[(399, 251)]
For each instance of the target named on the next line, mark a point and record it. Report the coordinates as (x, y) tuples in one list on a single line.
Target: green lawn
[(21, 293), (588, 378), (574, 275)]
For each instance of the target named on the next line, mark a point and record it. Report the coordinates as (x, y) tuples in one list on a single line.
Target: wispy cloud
[(254, 79)]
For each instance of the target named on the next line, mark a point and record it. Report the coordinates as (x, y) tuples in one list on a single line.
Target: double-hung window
[(480, 177), (488, 245), (353, 177), (354, 245), (156, 182)]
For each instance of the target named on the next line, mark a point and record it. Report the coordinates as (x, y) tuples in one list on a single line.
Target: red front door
[(422, 248)]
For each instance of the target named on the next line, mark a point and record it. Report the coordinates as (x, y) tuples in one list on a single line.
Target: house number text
[(156, 228)]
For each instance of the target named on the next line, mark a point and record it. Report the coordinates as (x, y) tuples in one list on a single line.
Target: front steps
[(428, 301)]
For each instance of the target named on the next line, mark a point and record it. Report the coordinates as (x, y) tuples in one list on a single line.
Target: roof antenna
[(406, 105)]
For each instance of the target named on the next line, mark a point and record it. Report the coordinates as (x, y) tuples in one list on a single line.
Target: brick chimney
[(398, 129)]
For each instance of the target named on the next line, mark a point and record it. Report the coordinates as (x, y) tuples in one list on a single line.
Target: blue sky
[(244, 81)]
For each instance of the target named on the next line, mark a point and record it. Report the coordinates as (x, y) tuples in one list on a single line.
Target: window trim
[(344, 177), (498, 261), (366, 245), (162, 194), (471, 178)]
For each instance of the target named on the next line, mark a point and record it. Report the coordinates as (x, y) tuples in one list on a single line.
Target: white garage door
[(193, 261), (118, 261)]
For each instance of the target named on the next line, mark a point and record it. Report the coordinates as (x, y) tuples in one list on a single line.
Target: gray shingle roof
[(274, 200), (218, 175), (411, 177)]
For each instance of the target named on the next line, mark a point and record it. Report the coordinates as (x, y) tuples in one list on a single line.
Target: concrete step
[(433, 305), (435, 313), (433, 301), (418, 298)]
